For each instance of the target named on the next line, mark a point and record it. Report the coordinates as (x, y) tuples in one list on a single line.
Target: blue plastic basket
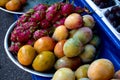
[(110, 45)]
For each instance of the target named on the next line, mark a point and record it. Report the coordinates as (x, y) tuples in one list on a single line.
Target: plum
[(64, 74), (117, 74), (72, 47), (88, 21), (72, 63), (81, 72), (88, 53), (95, 40), (84, 34)]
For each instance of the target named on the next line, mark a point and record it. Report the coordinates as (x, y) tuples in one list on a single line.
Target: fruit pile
[(104, 3), (113, 15), (12, 5), (93, 71), (53, 37), (61, 38)]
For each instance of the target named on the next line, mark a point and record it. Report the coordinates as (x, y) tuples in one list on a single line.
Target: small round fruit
[(44, 44), (74, 21), (88, 21), (60, 33), (64, 74), (44, 61), (13, 5), (23, 1), (117, 74), (26, 54), (101, 69), (84, 34), (3, 2), (58, 50), (81, 72)]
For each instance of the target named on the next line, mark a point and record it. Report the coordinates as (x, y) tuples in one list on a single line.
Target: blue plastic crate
[(110, 45)]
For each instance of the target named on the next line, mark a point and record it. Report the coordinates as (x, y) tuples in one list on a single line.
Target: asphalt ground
[(8, 70)]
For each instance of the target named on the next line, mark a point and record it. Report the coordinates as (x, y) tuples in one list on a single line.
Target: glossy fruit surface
[(44, 61), (44, 43), (58, 50), (26, 54), (74, 21), (100, 66)]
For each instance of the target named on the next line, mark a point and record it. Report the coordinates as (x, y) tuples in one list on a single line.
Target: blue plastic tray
[(110, 45)]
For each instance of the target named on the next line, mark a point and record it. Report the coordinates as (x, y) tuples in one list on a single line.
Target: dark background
[(8, 70)]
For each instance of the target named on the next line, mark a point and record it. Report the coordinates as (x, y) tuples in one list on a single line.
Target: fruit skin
[(58, 49), (72, 47), (72, 63), (26, 55), (60, 33), (13, 5), (3, 2), (44, 61), (73, 21), (88, 21), (83, 34), (117, 74), (64, 74), (81, 72), (72, 32), (101, 69), (88, 53), (44, 44), (95, 40), (83, 79)]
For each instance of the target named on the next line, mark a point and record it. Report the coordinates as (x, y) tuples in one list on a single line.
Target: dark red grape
[(111, 17), (115, 9), (104, 3), (107, 13), (118, 14)]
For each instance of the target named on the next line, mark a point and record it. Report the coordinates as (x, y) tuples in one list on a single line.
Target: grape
[(107, 13), (113, 15), (104, 3), (115, 9)]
